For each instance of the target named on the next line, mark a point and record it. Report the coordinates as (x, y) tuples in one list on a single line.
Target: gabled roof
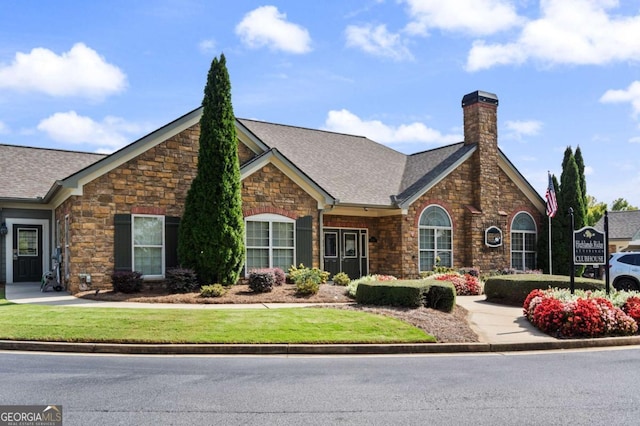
[(27, 173), (353, 169), (427, 168), (273, 156), (623, 225), (334, 167)]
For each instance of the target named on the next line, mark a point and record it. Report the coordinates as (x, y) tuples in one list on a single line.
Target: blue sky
[(97, 75)]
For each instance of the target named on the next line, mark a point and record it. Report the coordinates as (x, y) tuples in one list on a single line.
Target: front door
[(27, 253), (345, 250)]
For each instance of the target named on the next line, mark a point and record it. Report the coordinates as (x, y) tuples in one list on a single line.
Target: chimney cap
[(480, 96)]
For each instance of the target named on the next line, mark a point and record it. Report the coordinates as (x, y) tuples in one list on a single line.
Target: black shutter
[(304, 241), (122, 242), (171, 227)]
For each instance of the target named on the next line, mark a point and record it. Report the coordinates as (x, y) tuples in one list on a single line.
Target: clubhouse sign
[(588, 247)]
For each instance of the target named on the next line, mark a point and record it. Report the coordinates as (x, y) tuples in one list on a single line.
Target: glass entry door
[(345, 250), (27, 253)]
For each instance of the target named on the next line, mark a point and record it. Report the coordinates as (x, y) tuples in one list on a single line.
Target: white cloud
[(519, 128), (106, 136), (377, 41), (344, 121), (631, 95), (4, 129), (477, 17), (581, 32), (588, 170), (266, 26), (78, 72), (635, 139), (207, 46)]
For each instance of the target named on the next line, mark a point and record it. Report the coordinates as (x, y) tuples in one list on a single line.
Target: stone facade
[(155, 182), (271, 191)]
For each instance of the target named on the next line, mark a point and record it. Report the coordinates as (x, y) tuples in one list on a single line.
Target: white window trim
[(522, 252), (133, 245), (270, 218), (435, 249)]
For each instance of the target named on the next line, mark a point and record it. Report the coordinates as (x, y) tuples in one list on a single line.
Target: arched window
[(435, 238), (523, 242), (270, 242)]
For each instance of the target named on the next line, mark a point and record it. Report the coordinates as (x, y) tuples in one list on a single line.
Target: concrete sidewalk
[(500, 329)]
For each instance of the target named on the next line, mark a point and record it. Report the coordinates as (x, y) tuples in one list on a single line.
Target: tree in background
[(595, 210), (211, 238), (621, 204)]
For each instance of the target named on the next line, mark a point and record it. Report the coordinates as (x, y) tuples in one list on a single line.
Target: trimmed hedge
[(514, 289), (442, 296), (408, 293)]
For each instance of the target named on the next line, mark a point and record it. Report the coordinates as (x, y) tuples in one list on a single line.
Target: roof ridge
[(52, 149), (435, 149), (307, 128)]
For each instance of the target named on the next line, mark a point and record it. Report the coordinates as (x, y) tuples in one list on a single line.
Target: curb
[(312, 349)]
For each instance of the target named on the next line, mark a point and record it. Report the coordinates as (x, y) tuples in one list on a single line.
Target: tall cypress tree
[(583, 181), (211, 239), (570, 197), (559, 230)]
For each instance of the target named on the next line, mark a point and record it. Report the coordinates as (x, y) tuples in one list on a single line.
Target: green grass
[(286, 325)]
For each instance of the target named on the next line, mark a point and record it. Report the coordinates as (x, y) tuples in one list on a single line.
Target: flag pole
[(550, 264)]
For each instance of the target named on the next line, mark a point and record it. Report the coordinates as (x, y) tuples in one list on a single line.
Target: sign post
[(572, 277)]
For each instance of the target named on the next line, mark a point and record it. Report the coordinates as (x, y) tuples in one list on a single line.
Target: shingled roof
[(623, 225), (354, 169), (29, 173)]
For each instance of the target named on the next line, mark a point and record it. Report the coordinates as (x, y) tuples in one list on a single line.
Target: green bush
[(441, 296), (352, 287), (294, 271), (182, 280), (213, 290), (397, 293), (261, 281), (513, 289), (126, 281), (341, 279), (307, 281)]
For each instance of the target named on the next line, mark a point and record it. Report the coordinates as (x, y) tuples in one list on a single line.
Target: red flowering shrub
[(584, 319), (632, 307), (531, 302), (548, 315), (587, 316), (465, 284)]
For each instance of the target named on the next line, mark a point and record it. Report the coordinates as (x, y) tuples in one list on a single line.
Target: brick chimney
[(480, 113)]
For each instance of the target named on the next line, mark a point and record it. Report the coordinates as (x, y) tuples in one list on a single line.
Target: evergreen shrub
[(182, 280), (261, 281), (126, 281)]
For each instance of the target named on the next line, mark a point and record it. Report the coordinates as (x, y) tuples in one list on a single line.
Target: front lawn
[(294, 325)]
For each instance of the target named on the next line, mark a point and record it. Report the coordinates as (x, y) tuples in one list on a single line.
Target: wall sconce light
[(3, 229), (373, 240)]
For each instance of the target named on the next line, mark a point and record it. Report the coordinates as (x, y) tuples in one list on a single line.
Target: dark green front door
[(345, 250), (27, 253)]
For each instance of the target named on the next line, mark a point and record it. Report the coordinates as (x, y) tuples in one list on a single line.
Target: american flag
[(552, 203)]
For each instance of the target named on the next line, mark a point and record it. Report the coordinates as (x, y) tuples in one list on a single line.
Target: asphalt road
[(544, 388)]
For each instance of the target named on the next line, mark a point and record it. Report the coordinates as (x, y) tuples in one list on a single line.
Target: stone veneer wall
[(155, 182), (455, 195), (271, 191)]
